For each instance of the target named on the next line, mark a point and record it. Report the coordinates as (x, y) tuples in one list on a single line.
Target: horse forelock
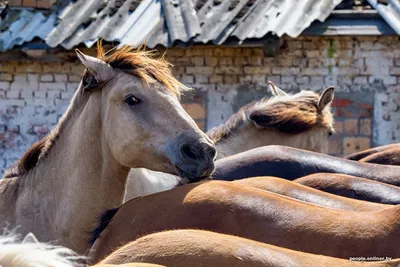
[(145, 64)]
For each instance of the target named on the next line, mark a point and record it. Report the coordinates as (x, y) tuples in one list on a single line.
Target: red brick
[(351, 126), (29, 3), (341, 102), (15, 2), (366, 127), (338, 127), (345, 113), (200, 124), (365, 106), (45, 4), (365, 113), (195, 110), (355, 144)]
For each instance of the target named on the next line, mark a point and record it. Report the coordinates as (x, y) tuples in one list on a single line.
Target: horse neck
[(245, 138), (249, 137), (65, 194)]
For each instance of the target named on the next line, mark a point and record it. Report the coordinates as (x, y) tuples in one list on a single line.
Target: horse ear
[(326, 98), (276, 91), (96, 67), (30, 238)]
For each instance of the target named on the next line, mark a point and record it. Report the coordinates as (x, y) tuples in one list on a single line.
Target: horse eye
[(131, 100)]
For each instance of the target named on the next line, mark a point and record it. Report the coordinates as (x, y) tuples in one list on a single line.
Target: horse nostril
[(212, 151), (189, 152)]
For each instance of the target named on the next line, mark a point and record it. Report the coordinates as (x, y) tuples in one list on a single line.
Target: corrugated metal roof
[(165, 22), (390, 12), (23, 26)]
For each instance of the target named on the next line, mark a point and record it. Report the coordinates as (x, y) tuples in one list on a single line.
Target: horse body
[(64, 182), (352, 187), (365, 153), (386, 157), (310, 195), (290, 163), (198, 248), (255, 214)]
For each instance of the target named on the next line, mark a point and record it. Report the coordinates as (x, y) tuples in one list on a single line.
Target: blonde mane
[(291, 114), (146, 65), (31, 253)]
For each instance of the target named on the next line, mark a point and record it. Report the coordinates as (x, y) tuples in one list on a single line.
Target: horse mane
[(235, 122), (146, 65), (291, 114), (30, 252), (143, 64), (28, 160), (105, 219)]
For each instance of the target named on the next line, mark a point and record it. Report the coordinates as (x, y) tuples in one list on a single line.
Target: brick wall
[(364, 70)]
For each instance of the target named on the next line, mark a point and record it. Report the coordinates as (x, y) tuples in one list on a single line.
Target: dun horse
[(116, 121), (303, 120), (252, 213), (352, 187), (198, 248), (291, 163)]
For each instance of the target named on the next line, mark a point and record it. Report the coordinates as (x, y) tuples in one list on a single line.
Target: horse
[(303, 120), (310, 195), (352, 187), (291, 163), (248, 212), (63, 183), (365, 153), (197, 248), (386, 157)]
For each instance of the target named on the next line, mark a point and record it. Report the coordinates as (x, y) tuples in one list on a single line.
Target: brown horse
[(252, 213), (62, 184), (365, 153), (386, 157), (137, 264), (291, 163), (311, 195), (303, 120), (352, 187), (196, 248)]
